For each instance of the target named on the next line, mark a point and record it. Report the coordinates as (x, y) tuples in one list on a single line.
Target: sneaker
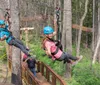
[(27, 49), (79, 58), (29, 56)]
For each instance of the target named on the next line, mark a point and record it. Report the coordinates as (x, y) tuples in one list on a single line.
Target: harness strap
[(47, 39), (55, 51)]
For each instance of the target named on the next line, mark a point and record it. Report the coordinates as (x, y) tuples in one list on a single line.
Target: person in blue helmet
[(54, 51), (5, 34)]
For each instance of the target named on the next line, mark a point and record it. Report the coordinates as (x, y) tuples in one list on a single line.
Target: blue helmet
[(48, 30), (2, 22)]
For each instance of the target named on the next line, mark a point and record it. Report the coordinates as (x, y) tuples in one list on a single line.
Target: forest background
[(37, 14)]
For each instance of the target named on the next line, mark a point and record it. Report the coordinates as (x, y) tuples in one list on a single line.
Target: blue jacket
[(5, 31)]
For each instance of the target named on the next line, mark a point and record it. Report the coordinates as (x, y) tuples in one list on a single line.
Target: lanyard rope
[(7, 18), (58, 25)]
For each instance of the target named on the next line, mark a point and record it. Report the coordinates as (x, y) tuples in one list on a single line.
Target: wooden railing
[(45, 70), (49, 74), (27, 76)]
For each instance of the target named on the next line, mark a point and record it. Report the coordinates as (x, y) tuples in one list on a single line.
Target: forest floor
[(5, 75)]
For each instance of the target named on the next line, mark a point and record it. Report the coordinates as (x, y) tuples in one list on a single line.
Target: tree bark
[(96, 31), (26, 38), (66, 33), (81, 24), (16, 58), (98, 28), (96, 51), (95, 24)]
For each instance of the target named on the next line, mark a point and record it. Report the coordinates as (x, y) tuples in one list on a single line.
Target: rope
[(58, 25), (7, 16)]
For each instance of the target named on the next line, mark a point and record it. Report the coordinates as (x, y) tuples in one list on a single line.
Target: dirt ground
[(5, 75)]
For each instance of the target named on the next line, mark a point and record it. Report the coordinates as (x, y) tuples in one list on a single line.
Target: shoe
[(33, 56), (79, 58), (29, 56), (27, 49)]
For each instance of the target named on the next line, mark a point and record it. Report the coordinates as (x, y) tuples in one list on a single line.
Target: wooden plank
[(5, 83), (40, 17), (27, 28), (87, 29)]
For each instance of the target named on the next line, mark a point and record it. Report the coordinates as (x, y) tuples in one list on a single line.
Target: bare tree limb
[(81, 24)]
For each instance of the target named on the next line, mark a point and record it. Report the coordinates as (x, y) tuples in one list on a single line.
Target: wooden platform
[(5, 84), (42, 79)]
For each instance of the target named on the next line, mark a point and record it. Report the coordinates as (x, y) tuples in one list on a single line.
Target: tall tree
[(96, 30), (66, 33), (16, 60), (95, 24), (81, 24)]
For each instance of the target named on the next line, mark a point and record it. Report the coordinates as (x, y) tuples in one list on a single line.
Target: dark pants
[(17, 43), (33, 71), (67, 58)]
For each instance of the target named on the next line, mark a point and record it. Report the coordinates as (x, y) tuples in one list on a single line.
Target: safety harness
[(57, 43)]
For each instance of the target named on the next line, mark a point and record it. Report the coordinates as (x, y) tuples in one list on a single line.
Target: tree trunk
[(16, 60), (26, 38), (66, 34), (77, 21), (95, 24), (55, 18), (81, 24), (96, 51), (96, 31), (98, 28), (3, 6)]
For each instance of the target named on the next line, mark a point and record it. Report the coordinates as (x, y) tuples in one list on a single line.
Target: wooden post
[(26, 29), (26, 38)]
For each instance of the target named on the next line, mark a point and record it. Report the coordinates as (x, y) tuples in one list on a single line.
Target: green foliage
[(2, 52), (39, 52), (72, 81), (82, 73)]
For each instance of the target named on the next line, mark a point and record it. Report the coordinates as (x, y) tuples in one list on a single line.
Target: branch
[(81, 24)]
